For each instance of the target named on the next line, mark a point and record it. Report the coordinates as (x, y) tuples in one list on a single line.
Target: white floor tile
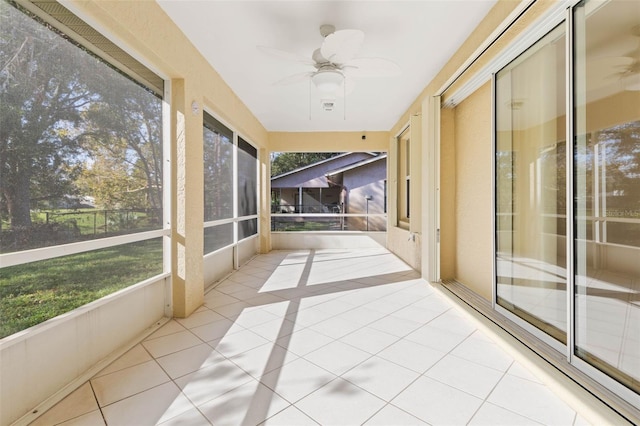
[(280, 309), (290, 416), (76, 404), (492, 415), (437, 403), (335, 307), (215, 299), (304, 341), (236, 343), (170, 327), (129, 381), (152, 406), (296, 379), (465, 375), (134, 356), (192, 417), (340, 403), (232, 310), (93, 418), (484, 352), (396, 326), (391, 415), (208, 383), (274, 330), (199, 318), (520, 371), (337, 357), (254, 316), (308, 316), (361, 314), (216, 329), (380, 377), (581, 421), (249, 404), (335, 327), (531, 400), (414, 313), (369, 339), (189, 360), (411, 355), (171, 343), (435, 338), (452, 322), (263, 359)]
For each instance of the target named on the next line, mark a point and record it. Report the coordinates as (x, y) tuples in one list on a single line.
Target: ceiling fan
[(624, 69), (335, 64)]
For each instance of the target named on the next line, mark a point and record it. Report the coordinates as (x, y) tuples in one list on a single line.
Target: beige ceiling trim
[(82, 33)]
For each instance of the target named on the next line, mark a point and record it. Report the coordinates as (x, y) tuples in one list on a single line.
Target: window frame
[(51, 252), (235, 219)]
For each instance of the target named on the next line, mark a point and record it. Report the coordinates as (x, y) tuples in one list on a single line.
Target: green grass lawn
[(35, 292), (307, 225)]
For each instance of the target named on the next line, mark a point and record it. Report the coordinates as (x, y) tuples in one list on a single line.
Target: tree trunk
[(19, 201)]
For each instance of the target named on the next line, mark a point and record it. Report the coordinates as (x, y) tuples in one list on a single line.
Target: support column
[(264, 195), (187, 207)]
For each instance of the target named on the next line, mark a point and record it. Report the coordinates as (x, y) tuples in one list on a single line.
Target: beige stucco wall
[(399, 240), (473, 209), (328, 141)]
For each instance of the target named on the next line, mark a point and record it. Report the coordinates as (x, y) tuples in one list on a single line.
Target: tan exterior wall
[(473, 200), (328, 141), (397, 238)]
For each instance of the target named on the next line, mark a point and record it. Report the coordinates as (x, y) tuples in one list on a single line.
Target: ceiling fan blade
[(371, 67), (295, 78), (341, 46), (284, 55)]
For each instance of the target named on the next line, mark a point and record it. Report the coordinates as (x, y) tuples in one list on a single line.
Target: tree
[(41, 99), (218, 175), (71, 125), (284, 162), (123, 131)]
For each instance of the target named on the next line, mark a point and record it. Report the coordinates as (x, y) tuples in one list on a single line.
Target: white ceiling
[(420, 36)]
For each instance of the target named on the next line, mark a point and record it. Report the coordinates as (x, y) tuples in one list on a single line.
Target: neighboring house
[(353, 182)]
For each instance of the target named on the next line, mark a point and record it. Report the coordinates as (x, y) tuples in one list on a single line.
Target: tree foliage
[(41, 99), (70, 126), (218, 176)]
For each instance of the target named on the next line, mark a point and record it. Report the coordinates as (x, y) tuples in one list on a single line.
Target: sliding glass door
[(607, 187), (531, 186), (568, 215)]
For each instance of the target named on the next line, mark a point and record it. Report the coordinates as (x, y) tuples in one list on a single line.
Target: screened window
[(230, 176), (218, 170), (404, 181), (81, 159), (247, 179)]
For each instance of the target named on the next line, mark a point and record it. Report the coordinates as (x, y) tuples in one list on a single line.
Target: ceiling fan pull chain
[(310, 83), (344, 90)]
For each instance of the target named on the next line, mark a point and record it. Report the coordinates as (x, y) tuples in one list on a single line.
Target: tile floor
[(330, 337), (607, 307)]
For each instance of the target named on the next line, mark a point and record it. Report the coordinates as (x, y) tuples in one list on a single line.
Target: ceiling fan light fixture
[(328, 83)]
